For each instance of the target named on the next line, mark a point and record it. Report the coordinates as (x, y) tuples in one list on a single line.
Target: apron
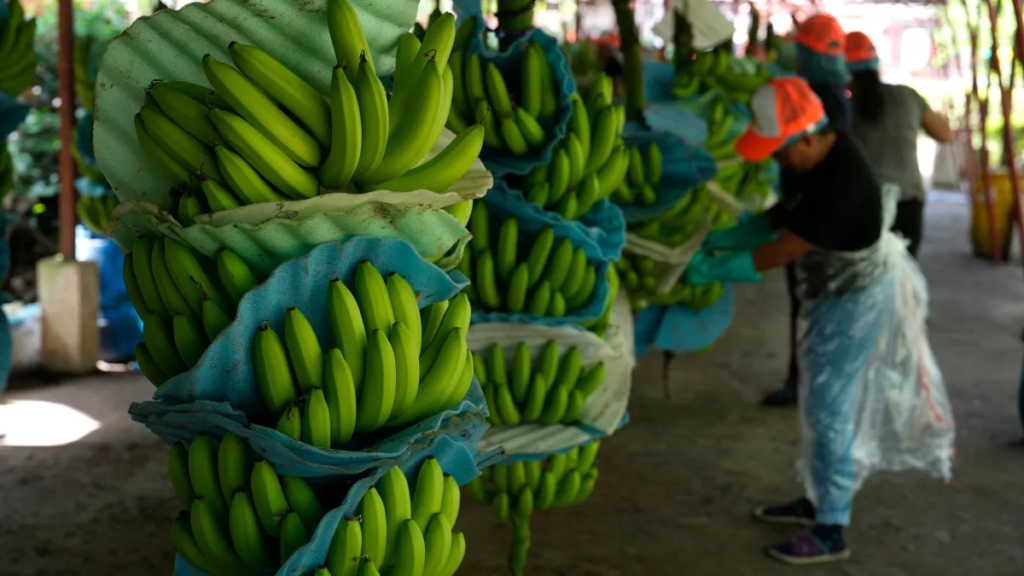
[(874, 399)]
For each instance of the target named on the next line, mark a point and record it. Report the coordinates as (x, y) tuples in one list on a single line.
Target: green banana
[(438, 542), (159, 338), (256, 107), (245, 181), (394, 494), (374, 303), (407, 368), (451, 499), (189, 340), (268, 497), (316, 420), (148, 366), (378, 397), (290, 422), (177, 471), (346, 133), (347, 37), (293, 535), (269, 160), (340, 393), (273, 375), (246, 534), (172, 298), (208, 526), (215, 320), (348, 329), (439, 173), (303, 501), (284, 87), (373, 115), (202, 470), (375, 526), (235, 275), (142, 255), (429, 492), (181, 146), (307, 358), (217, 197), (346, 547)]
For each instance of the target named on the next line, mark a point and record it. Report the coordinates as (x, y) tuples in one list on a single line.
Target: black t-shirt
[(836, 206), (837, 105)]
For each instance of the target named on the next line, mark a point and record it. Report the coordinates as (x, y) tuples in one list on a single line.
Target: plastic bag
[(120, 325), (875, 399), (274, 233), (601, 231), (456, 458), (682, 330), (683, 167), (170, 44), (603, 412)]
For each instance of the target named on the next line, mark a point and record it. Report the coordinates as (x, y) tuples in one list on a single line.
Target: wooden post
[(66, 92), (1006, 99)]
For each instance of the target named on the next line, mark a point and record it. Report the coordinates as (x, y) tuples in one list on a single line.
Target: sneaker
[(799, 512), (809, 549), (781, 398)]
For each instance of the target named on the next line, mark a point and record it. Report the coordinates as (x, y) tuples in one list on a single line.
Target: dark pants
[(910, 222)]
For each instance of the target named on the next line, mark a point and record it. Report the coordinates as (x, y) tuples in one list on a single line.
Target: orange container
[(1003, 204)]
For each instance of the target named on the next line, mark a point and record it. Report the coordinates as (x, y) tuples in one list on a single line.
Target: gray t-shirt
[(891, 142)]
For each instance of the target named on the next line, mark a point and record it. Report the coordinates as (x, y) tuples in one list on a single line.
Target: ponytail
[(867, 95)]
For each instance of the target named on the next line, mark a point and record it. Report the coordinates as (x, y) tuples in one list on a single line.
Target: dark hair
[(867, 95)]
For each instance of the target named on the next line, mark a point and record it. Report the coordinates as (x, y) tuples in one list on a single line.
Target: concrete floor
[(676, 485)]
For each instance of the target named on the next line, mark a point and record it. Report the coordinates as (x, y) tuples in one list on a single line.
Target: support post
[(633, 66), (66, 91)]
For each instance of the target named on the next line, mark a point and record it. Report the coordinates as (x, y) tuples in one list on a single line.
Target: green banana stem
[(520, 547), (632, 61), (683, 40), (514, 18)]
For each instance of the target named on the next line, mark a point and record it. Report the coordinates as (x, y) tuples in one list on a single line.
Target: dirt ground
[(677, 484)]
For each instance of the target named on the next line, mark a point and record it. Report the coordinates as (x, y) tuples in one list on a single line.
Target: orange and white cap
[(860, 52), (783, 109), (822, 34)]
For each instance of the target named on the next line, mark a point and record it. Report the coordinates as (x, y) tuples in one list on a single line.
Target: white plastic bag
[(604, 409), (875, 399)]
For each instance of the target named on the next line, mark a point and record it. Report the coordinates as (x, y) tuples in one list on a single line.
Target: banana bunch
[(600, 325), (240, 517), (263, 134), (402, 532), (17, 36), (715, 70), (541, 278), (559, 481), (720, 144), (643, 176), (678, 224), (639, 275), (6, 171), (550, 392), (184, 299), (481, 96), (392, 364), (95, 211), (590, 163)]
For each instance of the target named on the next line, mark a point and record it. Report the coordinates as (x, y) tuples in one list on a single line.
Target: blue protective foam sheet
[(683, 167), (601, 231), (679, 329)]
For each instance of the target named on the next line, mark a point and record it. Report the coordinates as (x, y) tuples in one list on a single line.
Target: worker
[(886, 121), (865, 343), (821, 62)]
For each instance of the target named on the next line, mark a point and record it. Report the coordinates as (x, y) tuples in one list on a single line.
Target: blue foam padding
[(456, 458), (680, 329), (658, 80), (601, 231), (683, 167), (225, 372), (13, 112)]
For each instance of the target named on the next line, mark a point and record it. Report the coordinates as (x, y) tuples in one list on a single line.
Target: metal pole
[(66, 92), (1005, 98)]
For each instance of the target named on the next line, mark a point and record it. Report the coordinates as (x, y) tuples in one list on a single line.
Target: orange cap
[(859, 47), (783, 108), (822, 34)]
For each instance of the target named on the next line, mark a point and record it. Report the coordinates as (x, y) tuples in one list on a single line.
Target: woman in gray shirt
[(886, 121)]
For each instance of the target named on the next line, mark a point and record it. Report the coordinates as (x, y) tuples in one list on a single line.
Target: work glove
[(747, 235), (705, 269)]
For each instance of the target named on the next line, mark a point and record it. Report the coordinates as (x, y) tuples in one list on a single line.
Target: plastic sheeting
[(171, 43), (7, 221), (683, 167), (682, 330), (601, 231), (875, 399), (454, 457), (608, 411)]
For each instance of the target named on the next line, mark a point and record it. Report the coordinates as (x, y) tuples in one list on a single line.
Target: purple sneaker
[(798, 512), (809, 549)]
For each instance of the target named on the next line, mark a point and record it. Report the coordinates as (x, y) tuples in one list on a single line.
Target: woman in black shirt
[(853, 279)]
